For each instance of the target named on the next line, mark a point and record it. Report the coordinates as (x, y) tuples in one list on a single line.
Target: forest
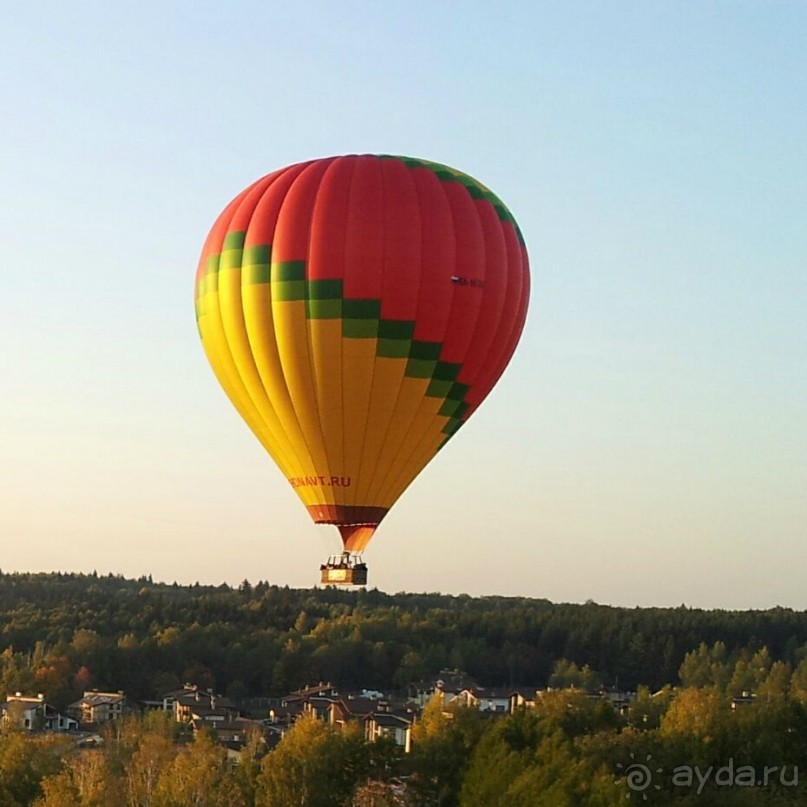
[(692, 734), (63, 633)]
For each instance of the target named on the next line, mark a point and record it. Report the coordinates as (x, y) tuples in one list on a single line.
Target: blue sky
[(647, 444)]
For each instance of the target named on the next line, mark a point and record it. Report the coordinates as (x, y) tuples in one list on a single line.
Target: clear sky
[(646, 445)]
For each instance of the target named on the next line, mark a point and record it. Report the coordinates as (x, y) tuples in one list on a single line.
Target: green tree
[(312, 767), (647, 709), (776, 684), (199, 776), (24, 763), (695, 712), (245, 775), (443, 742), (85, 781), (574, 713), (59, 790), (706, 667), (567, 675), (154, 753), (750, 673), (798, 682), (559, 778), (503, 753)]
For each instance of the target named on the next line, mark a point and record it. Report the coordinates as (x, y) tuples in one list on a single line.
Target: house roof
[(308, 692), (34, 700), (193, 699), (94, 699), (208, 713), (389, 721), (285, 714), (359, 706), (321, 700), (25, 705), (238, 725), (525, 692), (188, 689), (498, 692), (448, 681)]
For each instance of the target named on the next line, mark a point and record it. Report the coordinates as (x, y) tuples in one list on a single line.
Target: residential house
[(321, 690), (744, 699), (32, 712), (184, 702), (166, 702), (381, 716), (284, 716), (213, 714), (337, 711), (98, 707), (314, 700), (620, 699), (485, 699), (522, 698), (319, 707), (395, 727), (448, 684), (232, 732)]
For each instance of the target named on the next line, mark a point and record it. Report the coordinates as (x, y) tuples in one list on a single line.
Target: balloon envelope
[(357, 310)]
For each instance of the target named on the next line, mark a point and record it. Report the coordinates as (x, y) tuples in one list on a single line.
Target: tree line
[(63, 633)]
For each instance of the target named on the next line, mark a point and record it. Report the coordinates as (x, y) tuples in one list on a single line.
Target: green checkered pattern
[(361, 318)]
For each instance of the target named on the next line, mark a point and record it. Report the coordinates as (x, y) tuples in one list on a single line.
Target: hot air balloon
[(357, 310)]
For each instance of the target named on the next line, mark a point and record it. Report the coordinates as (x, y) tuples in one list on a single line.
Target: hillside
[(60, 633)]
